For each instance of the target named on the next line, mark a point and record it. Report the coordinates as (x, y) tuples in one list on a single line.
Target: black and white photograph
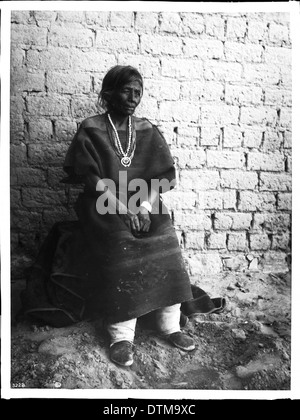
[(146, 189)]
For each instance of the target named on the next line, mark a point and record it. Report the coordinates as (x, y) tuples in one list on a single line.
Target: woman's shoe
[(182, 341), (121, 353)]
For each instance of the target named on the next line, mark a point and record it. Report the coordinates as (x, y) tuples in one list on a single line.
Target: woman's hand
[(131, 220), (137, 223), (144, 219)]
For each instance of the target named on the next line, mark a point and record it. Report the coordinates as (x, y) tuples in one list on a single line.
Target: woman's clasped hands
[(139, 222)]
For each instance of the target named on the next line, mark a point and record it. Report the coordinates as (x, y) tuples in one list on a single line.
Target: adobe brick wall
[(219, 87)]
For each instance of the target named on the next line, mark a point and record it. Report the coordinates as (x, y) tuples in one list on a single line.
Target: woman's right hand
[(131, 220)]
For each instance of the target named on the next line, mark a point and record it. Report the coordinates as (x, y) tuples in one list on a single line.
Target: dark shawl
[(96, 266)]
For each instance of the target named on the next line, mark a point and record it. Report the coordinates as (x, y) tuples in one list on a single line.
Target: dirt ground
[(247, 347)]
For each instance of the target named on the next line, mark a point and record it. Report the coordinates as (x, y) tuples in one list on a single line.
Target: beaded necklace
[(125, 159)]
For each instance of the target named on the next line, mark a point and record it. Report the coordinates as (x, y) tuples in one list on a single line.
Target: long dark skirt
[(115, 274)]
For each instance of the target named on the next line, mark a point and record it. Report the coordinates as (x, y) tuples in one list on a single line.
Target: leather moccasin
[(122, 353), (182, 341)]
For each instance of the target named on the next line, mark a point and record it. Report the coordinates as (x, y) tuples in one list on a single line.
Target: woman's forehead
[(136, 84)]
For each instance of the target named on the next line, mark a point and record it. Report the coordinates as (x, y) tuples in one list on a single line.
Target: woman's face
[(127, 98)]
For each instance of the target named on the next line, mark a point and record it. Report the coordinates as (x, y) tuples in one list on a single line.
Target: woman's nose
[(133, 97)]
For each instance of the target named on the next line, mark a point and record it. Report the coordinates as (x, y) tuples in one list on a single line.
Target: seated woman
[(121, 260)]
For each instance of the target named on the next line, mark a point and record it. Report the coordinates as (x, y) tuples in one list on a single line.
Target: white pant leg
[(121, 331), (168, 319)]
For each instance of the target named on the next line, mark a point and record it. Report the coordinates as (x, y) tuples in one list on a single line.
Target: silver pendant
[(126, 161)]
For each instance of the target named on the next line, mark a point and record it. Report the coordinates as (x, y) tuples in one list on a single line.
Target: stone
[(239, 333), (57, 346), (253, 266)]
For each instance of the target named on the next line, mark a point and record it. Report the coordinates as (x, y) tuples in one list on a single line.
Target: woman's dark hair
[(114, 79)]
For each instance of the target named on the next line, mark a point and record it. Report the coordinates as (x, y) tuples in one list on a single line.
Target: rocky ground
[(247, 347)]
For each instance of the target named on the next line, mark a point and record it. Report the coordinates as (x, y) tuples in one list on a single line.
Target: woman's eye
[(127, 92)]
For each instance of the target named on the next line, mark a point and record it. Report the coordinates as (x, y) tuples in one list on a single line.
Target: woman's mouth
[(130, 109)]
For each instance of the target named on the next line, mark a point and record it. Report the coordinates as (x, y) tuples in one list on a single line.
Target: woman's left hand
[(144, 219)]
